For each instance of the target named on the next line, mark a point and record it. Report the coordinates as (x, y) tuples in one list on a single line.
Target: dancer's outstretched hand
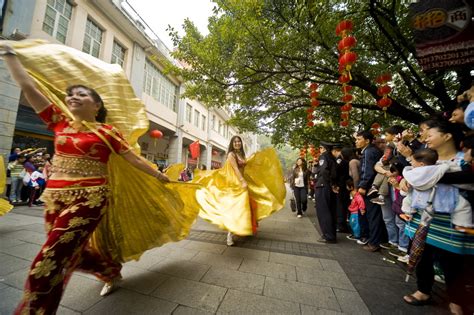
[(6, 48)]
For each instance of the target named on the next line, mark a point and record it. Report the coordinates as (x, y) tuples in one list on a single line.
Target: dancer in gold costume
[(5, 206), (243, 191), (93, 219)]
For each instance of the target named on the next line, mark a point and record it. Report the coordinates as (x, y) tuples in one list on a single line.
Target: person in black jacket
[(342, 197), (299, 183), (325, 189), (376, 227)]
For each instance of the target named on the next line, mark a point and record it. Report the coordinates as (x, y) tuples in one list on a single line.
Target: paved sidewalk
[(283, 270)]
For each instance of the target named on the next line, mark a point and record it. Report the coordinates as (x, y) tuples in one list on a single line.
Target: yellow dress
[(226, 204), (143, 212), (5, 206)]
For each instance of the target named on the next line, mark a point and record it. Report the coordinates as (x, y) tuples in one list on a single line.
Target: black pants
[(377, 230), (364, 225), (342, 205), (455, 271), (301, 196), (326, 212)]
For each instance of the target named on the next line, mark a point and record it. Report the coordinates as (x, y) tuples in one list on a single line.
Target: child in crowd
[(423, 177), (357, 205)]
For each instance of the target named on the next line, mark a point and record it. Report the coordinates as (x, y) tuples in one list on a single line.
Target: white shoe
[(299, 216), (404, 259), (110, 286), (230, 241)]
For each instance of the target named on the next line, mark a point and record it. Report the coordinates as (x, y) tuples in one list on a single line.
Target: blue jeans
[(354, 223), (15, 190), (389, 219), (403, 239)]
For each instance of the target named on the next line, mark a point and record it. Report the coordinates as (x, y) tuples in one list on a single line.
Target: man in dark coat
[(325, 188)]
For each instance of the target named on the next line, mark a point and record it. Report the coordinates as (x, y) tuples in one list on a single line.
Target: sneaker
[(362, 241), (109, 287), (404, 259), (395, 252), (299, 216), (372, 190), (380, 200), (352, 237), (230, 241), (371, 248), (389, 246)]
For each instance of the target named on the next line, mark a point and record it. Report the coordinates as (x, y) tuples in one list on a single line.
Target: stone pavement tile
[(140, 280), (176, 252), (293, 260), (81, 293), (351, 302), (26, 251), (312, 310), (331, 265), (181, 268), (238, 302), (206, 247), (7, 242), (324, 278), (37, 227), (9, 299), (13, 221), (9, 264), (247, 253), (27, 236), (127, 302), (233, 279), (389, 272), (303, 293), (181, 243), (268, 269), (146, 261), (17, 279), (185, 310), (230, 262), (3, 285), (191, 293)]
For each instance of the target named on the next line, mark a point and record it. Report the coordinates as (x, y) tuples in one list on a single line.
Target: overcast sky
[(158, 14)]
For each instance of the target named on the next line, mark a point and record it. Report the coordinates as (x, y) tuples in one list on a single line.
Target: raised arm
[(37, 100), (141, 164)]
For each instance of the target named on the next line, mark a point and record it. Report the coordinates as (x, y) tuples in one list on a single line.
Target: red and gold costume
[(75, 202)]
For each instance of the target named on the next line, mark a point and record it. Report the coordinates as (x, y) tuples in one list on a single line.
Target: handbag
[(293, 202)]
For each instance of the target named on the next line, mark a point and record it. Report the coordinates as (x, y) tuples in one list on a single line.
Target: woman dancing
[(77, 191)]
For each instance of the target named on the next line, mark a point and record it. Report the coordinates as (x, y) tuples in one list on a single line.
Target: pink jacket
[(357, 203)]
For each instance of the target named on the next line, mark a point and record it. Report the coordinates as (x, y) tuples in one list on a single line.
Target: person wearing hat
[(325, 188)]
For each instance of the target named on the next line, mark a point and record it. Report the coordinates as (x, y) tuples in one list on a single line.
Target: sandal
[(412, 300)]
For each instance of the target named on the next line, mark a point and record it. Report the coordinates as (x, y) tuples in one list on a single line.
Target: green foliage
[(261, 55)]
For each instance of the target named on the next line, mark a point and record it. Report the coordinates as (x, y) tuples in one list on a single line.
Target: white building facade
[(112, 31)]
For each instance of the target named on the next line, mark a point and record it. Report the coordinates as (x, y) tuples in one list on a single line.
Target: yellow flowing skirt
[(5, 206), (226, 204)]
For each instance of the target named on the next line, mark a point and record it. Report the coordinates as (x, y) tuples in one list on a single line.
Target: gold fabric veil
[(143, 213), (225, 203), (5, 206)]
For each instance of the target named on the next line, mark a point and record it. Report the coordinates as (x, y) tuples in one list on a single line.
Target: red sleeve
[(52, 115), (118, 142), (361, 202)]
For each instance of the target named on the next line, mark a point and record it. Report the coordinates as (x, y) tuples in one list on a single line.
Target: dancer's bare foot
[(455, 309), (111, 286)]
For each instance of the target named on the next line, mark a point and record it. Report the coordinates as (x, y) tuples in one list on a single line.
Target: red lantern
[(346, 43), (344, 78), (313, 86), (310, 124), (348, 59), (313, 94), (384, 103), (344, 115), (309, 116), (375, 126), (344, 123), (314, 103), (310, 110), (384, 90), (347, 98), (381, 79), (346, 89), (346, 107), (344, 27), (156, 134)]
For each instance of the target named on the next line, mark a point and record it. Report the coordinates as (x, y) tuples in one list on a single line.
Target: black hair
[(348, 153), (231, 146), (426, 156), (102, 113), (367, 135), (304, 168), (350, 183), (396, 165), (444, 126), (395, 130)]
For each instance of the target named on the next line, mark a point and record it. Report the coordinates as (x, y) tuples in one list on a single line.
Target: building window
[(92, 39), (118, 54), (189, 111), (197, 115), (203, 123), (56, 19), (158, 86), (213, 122), (219, 131)]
